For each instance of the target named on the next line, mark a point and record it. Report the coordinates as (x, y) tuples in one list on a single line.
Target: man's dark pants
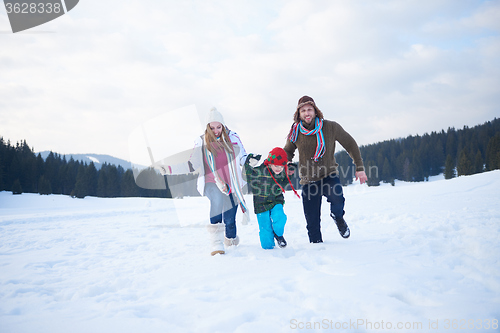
[(312, 195)]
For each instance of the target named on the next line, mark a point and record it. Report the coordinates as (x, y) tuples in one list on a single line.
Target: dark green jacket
[(266, 193)]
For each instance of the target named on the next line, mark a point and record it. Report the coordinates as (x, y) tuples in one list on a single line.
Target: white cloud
[(382, 70)]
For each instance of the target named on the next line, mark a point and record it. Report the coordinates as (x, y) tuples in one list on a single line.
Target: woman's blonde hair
[(213, 144)]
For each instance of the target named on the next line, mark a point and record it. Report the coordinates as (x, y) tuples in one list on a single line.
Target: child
[(267, 182)]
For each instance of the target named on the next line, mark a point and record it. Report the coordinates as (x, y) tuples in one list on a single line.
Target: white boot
[(216, 232), (231, 241)]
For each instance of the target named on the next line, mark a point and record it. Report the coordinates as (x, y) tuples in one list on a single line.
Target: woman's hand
[(222, 186), (164, 170)]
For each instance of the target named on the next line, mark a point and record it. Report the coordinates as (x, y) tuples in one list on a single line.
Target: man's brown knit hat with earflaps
[(303, 101)]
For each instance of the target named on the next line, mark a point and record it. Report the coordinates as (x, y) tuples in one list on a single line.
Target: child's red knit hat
[(277, 156)]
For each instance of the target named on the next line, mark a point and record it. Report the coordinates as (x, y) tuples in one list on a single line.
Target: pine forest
[(453, 152)]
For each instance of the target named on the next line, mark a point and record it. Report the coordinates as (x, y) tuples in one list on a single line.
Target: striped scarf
[(231, 162), (318, 131), (281, 187)]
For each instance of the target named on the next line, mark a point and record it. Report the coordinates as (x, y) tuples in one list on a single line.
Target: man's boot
[(342, 226)]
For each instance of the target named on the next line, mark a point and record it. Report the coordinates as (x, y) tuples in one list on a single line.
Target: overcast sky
[(382, 69)]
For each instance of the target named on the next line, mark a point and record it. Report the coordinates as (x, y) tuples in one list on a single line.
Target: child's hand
[(253, 160)]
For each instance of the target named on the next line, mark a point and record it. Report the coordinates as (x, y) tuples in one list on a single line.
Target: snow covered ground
[(421, 257)]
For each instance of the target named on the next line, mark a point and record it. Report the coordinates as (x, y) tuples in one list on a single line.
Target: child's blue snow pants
[(270, 222)]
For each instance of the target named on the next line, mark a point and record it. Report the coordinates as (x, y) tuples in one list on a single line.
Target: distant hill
[(98, 159)]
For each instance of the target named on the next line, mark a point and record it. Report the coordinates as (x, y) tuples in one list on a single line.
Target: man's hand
[(362, 177)]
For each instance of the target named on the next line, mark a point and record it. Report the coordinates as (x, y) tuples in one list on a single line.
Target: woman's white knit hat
[(214, 115)]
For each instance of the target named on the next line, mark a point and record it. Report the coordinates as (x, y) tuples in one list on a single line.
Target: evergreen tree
[(81, 186), (2, 186), (373, 176), (102, 182), (345, 168), (40, 168), (399, 167), (416, 169), (51, 171), (152, 183), (91, 179), (493, 153), (44, 186), (113, 182), (449, 168), (387, 173), (437, 158), (451, 142), (16, 187), (15, 171), (465, 166), (68, 175), (128, 186), (380, 161), (478, 163), (61, 175), (32, 172), (406, 170), (24, 156), (4, 165), (63, 171)]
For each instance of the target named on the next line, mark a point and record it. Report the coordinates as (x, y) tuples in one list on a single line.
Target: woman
[(218, 157)]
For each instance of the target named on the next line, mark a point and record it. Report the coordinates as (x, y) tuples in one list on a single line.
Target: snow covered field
[(421, 257)]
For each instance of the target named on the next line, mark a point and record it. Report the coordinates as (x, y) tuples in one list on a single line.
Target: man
[(315, 139)]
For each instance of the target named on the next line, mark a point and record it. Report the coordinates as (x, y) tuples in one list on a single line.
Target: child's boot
[(280, 240)]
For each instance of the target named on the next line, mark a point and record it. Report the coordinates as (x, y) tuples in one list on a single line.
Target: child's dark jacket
[(266, 193)]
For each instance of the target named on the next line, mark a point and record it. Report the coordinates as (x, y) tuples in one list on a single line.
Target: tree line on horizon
[(453, 153), (415, 158), (22, 171)]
